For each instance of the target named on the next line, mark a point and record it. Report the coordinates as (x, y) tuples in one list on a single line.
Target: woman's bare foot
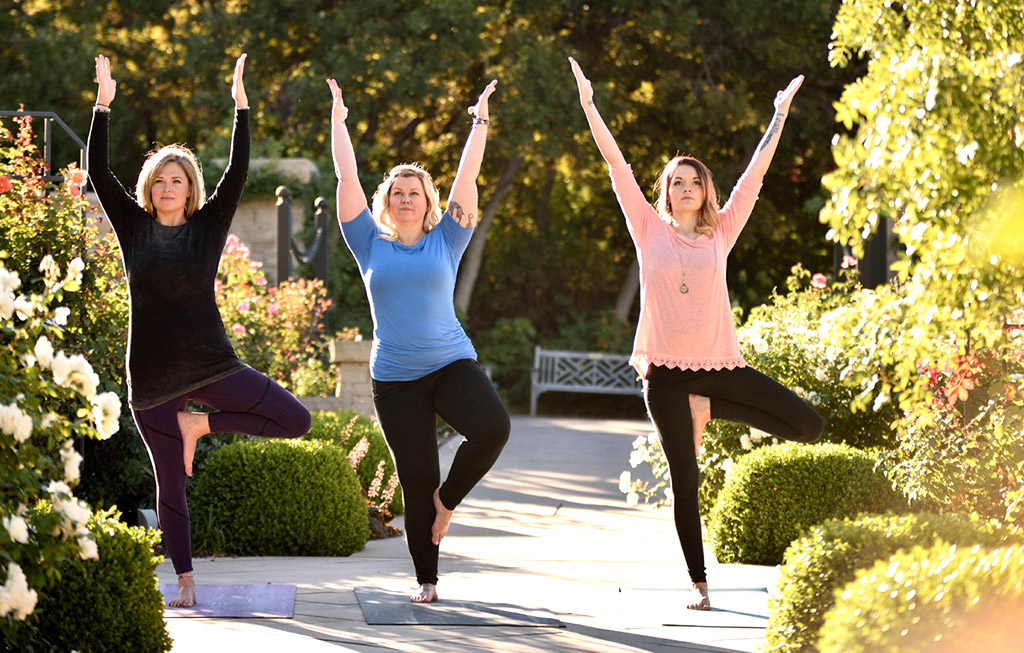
[(427, 593), (441, 522), (700, 409), (186, 592), (701, 599), (193, 426)]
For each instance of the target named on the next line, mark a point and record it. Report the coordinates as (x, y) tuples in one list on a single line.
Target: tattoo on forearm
[(772, 130)]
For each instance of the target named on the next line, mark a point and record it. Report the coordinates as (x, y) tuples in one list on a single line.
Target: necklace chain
[(683, 288)]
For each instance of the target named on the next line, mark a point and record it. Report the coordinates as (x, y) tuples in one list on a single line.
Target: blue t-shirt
[(411, 290)]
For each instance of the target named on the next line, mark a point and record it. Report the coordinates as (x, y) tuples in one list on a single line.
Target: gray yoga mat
[(388, 608), (263, 601), (730, 608)]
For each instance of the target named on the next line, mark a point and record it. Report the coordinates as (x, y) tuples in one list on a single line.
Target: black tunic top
[(176, 339)]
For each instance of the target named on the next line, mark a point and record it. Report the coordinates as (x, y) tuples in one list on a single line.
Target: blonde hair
[(707, 218), (382, 198), (155, 162)]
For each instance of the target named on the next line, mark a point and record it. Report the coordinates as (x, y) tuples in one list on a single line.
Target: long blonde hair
[(155, 162), (707, 219), (382, 198)]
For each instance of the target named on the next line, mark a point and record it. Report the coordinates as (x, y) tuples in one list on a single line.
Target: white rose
[(75, 268), (48, 420), (23, 428), (8, 418), (820, 374), (83, 377), (6, 305), (632, 499), (49, 268), (61, 370), (77, 511), (44, 352), (57, 488), (745, 442), (15, 595), (9, 281), (760, 346), (72, 465), (23, 307), (87, 548), (106, 413), (17, 528), (60, 316), (625, 482)]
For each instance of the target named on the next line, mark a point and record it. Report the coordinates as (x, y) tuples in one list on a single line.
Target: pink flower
[(217, 285), (261, 281), (273, 309), (243, 306), (819, 280), (5, 183), (75, 179), (239, 330), (232, 244), (849, 261)]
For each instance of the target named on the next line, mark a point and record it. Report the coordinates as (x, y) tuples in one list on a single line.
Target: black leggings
[(249, 403), (741, 395), (465, 398)]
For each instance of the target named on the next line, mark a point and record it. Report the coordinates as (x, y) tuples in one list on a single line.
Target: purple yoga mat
[(264, 601)]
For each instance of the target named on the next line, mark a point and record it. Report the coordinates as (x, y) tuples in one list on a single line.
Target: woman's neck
[(171, 219), (685, 224), (409, 233)]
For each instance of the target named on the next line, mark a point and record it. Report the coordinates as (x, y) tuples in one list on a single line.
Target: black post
[(320, 221), (284, 233)]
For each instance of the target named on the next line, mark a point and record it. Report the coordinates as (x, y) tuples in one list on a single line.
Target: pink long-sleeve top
[(692, 330)]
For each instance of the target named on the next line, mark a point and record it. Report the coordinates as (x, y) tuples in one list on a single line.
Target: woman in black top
[(171, 238)]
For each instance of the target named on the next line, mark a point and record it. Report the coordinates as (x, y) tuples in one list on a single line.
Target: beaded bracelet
[(481, 121)]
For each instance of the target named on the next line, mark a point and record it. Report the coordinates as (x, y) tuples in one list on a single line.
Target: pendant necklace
[(683, 288)]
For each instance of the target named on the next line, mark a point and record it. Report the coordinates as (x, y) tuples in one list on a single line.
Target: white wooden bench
[(580, 371)]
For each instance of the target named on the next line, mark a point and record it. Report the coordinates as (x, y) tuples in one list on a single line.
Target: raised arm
[(119, 206), (464, 199), (224, 200), (351, 200), (602, 135), (766, 148)]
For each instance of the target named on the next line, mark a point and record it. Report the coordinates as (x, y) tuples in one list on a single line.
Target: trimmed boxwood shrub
[(281, 497), (376, 469), (943, 599), (830, 555), (774, 493), (109, 604)]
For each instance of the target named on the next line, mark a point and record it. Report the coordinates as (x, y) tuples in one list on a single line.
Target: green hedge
[(109, 604), (774, 493), (347, 429), (279, 497), (830, 555), (940, 600)]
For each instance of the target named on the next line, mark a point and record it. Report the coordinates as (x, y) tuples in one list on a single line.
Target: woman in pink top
[(685, 347)]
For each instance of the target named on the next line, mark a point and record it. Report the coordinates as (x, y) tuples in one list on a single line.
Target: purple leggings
[(249, 402)]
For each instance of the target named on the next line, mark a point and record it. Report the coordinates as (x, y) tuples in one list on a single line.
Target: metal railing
[(316, 253), (49, 118)]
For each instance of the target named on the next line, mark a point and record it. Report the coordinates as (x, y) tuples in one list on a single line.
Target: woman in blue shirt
[(421, 362)]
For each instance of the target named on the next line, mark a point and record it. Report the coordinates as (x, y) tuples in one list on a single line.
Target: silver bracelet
[(481, 121)]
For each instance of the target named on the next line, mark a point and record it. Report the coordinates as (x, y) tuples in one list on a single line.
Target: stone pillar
[(352, 361)]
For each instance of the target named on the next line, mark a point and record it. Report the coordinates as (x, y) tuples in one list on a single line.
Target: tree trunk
[(628, 291), (475, 252)]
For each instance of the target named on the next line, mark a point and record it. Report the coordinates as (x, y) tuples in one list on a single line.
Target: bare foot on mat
[(701, 600), (186, 592), (427, 593)]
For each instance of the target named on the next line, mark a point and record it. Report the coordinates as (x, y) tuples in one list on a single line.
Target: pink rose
[(239, 330), (232, 244), (243, 306), (849, 261), (819, 280), (5, 183), (261, 281), (273, 309)]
